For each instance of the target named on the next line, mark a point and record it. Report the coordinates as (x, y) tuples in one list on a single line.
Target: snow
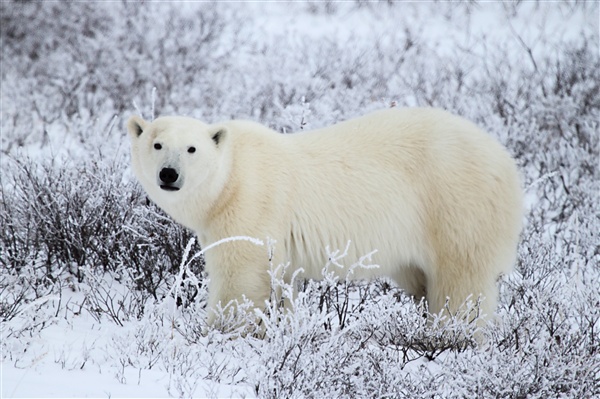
[(77, 356)]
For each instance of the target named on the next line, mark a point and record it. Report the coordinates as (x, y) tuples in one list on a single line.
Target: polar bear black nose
[(168, 175)]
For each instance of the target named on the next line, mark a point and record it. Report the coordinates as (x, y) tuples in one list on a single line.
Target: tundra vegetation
[(82, 249)]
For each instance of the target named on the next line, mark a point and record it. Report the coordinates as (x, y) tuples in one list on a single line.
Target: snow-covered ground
[(77, 356), (89, 277)]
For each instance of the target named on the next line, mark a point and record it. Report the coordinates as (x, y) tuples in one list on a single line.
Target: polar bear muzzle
[(168, 177)]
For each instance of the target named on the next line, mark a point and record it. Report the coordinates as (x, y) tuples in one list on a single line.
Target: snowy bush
[(85, 60), (53, 229)]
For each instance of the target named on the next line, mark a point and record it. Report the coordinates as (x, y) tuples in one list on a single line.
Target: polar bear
[(439, 199)]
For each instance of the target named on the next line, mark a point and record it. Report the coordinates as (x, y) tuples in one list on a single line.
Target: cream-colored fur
[(438, 199)]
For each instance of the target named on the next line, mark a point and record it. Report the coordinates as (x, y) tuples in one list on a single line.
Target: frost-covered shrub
[(334, 338), (80, 221), (545, 343), (86, 60), (75, 228)]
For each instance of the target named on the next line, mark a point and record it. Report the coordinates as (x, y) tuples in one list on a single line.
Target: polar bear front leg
[(237, 272)]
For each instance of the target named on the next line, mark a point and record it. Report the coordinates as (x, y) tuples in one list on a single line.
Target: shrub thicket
[(71, 221)]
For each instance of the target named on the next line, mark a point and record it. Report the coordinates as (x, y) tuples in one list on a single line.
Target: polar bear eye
[(157, 146), (192, 150)]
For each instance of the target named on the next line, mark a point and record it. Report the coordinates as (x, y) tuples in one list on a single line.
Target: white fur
[(438, 199)]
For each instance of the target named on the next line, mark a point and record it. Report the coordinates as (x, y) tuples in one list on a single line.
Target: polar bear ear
[(218, 134), (136, 125)]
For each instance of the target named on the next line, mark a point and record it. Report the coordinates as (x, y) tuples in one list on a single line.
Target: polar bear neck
[(245, 177), (197, 209)]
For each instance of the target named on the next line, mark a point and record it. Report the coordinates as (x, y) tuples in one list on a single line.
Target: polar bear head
[(177, 159)]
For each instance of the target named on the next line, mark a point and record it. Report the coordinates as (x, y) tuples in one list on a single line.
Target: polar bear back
[(414, 184)]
